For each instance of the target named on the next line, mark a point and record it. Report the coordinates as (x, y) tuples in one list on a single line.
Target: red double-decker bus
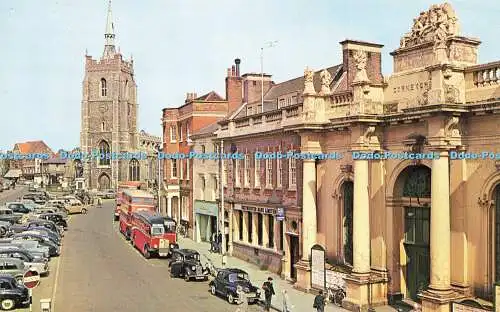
[(153, 234), (132, 201), (129, 185)]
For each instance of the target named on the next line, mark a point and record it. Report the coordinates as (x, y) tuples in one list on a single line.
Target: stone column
[(245, 226), (255, 229), (440, 224), (169, 207), (358, 281), (309, 224), (309, 227), (361, 219), (198, 228), (265, 230)]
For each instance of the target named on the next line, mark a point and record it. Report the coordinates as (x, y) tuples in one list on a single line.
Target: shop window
[(271, 231), (249, 227), (240, 225), (260, 227)]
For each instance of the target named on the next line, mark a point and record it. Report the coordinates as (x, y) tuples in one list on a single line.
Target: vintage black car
[(227, 281), (12, 294), (186, 263), (57, 218)]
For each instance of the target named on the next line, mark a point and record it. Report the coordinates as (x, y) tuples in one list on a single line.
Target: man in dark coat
[(268, 292), (219, 242), (319, 302)]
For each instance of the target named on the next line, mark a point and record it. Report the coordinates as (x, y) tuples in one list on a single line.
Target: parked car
[(38, 254), (4, 227), (54, 249), (109, 194), (36, 264), (34, 197), (30, 204), (32, 223), (17, 207), (13, 267), (12, 293), (32, 246), (8, 215), (227, 281), (54, 237), (75, 207), (186, 263), (57, 218), (59, 203)]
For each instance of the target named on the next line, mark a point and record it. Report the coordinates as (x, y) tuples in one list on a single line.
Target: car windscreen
[(234, 277), (194, 257)]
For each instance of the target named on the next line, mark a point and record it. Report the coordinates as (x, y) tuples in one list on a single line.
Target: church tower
[(109, 113)]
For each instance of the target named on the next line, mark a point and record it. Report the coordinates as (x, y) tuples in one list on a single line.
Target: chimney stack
[(229, 72), (237, 62), (233, 71)]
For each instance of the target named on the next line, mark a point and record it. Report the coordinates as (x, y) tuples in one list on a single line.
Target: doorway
[(416, 243), (294, 255)]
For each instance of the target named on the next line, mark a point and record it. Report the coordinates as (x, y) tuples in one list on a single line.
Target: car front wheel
[(84, 211), (212, 290), (230, 298), (7, 304)]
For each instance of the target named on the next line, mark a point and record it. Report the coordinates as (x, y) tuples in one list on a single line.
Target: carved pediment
[(434, 25)]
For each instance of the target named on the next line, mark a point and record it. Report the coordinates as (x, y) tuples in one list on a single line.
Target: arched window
[(133, 170), (104, 87), (103, 126), (347, 220), (105, 155)]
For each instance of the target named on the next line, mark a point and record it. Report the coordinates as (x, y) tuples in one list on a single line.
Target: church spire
[(109, 35)]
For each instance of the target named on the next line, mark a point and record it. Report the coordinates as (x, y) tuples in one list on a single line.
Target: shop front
[(206, 219)]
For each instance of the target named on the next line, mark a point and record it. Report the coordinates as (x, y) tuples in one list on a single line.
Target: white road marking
[(59, 260)]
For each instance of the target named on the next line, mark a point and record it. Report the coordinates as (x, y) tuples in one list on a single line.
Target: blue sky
[(186, 46)]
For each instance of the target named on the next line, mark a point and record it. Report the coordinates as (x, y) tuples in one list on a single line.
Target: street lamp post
[(159, 179), (223, 242), (269, 44)]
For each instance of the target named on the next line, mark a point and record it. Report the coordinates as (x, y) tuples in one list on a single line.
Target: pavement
[(299, 300)]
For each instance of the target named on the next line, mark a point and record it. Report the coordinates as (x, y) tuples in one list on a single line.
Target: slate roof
[(207, 130), (297, 84), (210, 96)]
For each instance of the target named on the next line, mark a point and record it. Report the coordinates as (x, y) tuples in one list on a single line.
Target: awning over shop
[(13, 173)]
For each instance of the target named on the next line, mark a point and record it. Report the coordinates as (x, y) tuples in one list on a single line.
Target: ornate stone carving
[(434, 25), (308, 81), (451, 128), (326, 80), (360, 58), (368, 136), (451, 94)]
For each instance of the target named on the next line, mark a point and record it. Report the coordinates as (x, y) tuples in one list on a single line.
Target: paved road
[(101, 272), (12, 195)]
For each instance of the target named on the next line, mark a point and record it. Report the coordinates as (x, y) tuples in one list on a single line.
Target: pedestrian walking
[(287, 306), (211, 243), (99, 202), (319, 302), (268, 293), (219, 242)]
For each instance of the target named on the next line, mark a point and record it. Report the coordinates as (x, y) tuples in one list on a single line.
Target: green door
[(417, 232)]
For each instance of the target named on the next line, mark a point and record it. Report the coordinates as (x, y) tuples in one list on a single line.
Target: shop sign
[(318, 272), (205, 208), (280, 214)]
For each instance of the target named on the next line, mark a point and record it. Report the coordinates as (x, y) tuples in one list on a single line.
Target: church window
[(104, 87), (103, 126), (134, 173), (104, 150)]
